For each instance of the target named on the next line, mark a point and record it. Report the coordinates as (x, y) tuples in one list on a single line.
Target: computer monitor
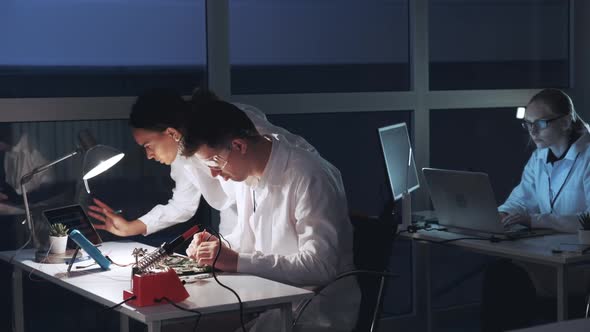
[(399, 159)]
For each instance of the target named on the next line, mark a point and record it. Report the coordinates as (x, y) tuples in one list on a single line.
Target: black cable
[(224, 286), (338, 277), (219, 235), (402, 231), (415, 228), (194, 311), (224, 240), (85, 266), (120, 303), (427, 227), (491, 239)]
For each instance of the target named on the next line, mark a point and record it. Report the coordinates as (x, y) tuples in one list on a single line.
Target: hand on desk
[(204, 248), (114, 223), (512, 219)]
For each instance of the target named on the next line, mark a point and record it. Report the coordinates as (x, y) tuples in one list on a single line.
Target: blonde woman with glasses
[(554, 190)]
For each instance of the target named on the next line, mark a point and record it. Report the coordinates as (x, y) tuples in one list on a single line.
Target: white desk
[(106, 288), (535, 250)]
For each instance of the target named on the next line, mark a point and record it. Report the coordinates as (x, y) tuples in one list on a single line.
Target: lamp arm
[(25, 179)]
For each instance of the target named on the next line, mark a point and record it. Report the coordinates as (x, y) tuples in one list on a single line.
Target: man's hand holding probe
[(204, 248)]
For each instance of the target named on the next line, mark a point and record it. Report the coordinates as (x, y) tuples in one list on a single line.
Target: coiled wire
[(150, 261)]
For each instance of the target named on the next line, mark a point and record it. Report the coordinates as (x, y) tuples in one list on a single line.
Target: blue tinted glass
[(470, 148), (498, 44), (319, 46), (93, 48)]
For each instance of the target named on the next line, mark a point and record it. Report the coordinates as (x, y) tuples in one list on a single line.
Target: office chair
[(372, 241)]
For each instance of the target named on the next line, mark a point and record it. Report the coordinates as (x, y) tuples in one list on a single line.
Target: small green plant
[(584, 220), (58, 230)]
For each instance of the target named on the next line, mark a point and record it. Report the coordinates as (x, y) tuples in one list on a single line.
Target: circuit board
[(184, 266)]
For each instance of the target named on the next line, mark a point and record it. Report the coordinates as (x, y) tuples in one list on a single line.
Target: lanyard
[(553, 199)]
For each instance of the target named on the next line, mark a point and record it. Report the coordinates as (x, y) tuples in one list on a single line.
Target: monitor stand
[(406, 210)]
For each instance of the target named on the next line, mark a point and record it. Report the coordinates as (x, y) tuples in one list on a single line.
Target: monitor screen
[(399, 159)]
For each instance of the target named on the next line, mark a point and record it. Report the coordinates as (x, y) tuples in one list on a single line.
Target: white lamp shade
[(98, 159)]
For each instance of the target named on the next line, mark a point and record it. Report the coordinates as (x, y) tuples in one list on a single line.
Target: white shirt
[(293, 227), (193, 180), (565, 185)]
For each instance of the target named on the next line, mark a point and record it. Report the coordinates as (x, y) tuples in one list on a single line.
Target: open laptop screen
[(73, 217)]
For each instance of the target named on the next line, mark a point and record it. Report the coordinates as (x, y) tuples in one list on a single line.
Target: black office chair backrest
[(373, 239)]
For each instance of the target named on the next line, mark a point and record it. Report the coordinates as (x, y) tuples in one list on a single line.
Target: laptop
[(464, 203), (73, 217)]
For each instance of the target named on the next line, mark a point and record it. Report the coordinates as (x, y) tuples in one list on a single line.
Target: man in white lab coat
[(293, 223), (155, 120)]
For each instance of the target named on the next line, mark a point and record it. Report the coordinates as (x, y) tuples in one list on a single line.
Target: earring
[(180, 146), (176, 139)]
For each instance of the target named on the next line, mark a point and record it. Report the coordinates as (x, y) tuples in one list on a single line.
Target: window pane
[(97, 48), (471, 149), (499, 44), (319, 46)]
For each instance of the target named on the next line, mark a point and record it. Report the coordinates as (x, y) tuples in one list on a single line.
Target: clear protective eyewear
[(217, 162), (539, 124)]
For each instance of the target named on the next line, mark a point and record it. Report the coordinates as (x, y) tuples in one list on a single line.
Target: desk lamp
[(520, 112), (97, 159)]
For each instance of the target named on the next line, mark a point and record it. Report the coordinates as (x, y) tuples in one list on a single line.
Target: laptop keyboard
[(516, 228)]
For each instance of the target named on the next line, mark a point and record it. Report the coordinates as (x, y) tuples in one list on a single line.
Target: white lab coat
[(293, 227), (532, 195), (192, 180)]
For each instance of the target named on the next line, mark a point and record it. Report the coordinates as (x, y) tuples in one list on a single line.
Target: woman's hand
[(512, 219), (112, 222)]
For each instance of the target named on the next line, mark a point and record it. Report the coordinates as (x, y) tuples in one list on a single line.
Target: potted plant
[(58, 238), (584, 232)]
